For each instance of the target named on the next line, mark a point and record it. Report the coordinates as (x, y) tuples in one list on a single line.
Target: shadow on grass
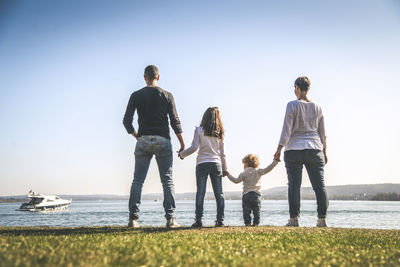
[(43, 231)]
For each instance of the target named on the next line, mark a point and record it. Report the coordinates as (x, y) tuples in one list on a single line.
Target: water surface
[(355, 214)]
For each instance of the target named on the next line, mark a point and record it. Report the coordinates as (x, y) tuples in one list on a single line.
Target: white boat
[(40, 202)]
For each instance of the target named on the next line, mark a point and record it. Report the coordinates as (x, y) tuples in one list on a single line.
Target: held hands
[(182, 142), (277, 155), (179, 151), (225, 173)]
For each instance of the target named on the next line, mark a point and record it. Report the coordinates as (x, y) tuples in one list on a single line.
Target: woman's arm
[(195, 145), (321, 130), (286, 131), (236, 180), (287, 125), (268, 169), (222, 155), (322, 134)]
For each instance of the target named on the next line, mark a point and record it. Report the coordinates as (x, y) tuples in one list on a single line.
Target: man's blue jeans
[(146, 147), (203, 170), (314, 162), (251, 202)]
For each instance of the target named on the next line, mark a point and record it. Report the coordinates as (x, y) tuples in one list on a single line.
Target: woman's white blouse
[(303, 127)]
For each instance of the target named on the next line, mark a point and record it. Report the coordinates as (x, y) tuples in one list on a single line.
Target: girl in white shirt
[(209, 141)]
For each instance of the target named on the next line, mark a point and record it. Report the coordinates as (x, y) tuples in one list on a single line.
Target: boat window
[(35, 201)]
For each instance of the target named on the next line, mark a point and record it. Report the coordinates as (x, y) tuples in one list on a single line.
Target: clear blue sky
[(67, 69)]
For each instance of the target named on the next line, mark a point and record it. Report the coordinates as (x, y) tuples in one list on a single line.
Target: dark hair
[(212, 123), (303, 83), (151, 72), (251, 160)]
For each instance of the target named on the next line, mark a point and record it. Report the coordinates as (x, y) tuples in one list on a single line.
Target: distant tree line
[(386, 197)]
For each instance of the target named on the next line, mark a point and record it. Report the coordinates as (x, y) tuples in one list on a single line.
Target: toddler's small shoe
[(293, 222), (321, 222), (219, 224)]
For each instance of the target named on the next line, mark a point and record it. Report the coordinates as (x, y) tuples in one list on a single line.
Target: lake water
[(355, 214)]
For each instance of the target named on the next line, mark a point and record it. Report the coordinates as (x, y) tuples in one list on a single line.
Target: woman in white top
[(209, 141), (303, 136)]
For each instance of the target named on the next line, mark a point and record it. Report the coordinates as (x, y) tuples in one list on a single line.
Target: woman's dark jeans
[(251, 202), (203, 170), (314, 162)]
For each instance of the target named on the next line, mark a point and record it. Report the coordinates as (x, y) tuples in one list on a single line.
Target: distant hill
[(337, 192)]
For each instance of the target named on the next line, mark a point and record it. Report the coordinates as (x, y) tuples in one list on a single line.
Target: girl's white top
[(303, 127), (251, 178), (211, 149)]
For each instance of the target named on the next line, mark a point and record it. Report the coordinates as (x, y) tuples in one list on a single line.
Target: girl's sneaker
[(219, 224), (293, 222), (321, 222), (197, 224)]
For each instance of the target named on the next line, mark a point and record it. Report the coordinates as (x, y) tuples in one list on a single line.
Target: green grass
[(235, 246)]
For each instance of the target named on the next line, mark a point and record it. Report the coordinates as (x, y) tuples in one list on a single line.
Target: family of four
[(303, 136)]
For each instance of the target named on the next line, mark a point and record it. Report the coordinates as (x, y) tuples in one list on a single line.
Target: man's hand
[(182, 142), (277, 155), (134, 134), (179, 155), (225, 173), (181, 149)]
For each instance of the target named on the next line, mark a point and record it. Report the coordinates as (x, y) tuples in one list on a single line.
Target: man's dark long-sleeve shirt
[(153, 105)]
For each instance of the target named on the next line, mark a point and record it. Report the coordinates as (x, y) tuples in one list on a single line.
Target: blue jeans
[(314, 162), (203, 170), (251, 202), (146, 147)]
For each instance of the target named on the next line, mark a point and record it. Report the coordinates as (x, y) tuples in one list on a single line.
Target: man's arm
[(181, 141), (128, 117), (175, 122), (173, 116)]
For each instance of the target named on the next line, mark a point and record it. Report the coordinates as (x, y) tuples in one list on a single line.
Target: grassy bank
[(266, 246)]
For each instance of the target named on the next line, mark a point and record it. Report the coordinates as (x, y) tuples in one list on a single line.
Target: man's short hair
[(303, 83), (151, 72)]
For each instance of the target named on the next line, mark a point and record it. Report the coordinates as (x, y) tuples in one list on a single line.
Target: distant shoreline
[(376, 192)]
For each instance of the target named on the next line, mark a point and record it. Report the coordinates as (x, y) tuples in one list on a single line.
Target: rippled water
[(358, 214)]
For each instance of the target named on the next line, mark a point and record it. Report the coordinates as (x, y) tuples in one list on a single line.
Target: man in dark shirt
[(154, 106)]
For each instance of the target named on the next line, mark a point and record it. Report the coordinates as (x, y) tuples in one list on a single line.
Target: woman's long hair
[(212, 123)]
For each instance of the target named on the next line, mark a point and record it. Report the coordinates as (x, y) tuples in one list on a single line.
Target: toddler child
[(251, 177)]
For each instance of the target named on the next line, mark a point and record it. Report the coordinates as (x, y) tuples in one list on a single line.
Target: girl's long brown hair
[(212, 123)]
